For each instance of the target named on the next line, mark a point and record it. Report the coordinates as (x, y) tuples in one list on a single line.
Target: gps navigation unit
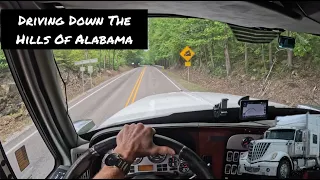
[(253, 109)]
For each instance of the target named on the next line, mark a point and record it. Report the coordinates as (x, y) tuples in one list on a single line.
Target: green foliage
[(208, 39), (3, 61), (3, 64), (168, 36), (112, 58)]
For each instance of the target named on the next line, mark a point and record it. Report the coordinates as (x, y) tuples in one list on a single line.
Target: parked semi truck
[(291, 145)]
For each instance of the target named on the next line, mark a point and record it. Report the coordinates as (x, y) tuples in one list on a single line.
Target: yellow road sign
[(188, 63), (187, 53)]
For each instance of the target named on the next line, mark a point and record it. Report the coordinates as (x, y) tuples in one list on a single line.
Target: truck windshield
[(286, 134)]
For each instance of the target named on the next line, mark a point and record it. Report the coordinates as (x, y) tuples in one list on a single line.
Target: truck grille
[(257, 151)]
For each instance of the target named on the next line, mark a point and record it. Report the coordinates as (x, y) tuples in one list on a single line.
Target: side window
[(298, 136), (26, 151), (314, 139)]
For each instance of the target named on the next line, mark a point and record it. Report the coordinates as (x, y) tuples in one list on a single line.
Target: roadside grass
[(184, 83)]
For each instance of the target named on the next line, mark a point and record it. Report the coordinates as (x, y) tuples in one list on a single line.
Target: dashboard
[(159, 163), (219, 145)]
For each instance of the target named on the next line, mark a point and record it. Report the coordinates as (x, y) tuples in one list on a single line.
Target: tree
[(289, 54), (270, 56), (216, 48), (246, 57), (226, 52)]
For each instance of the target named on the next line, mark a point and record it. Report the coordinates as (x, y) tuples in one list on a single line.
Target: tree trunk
[(68, 75), (104, 62), (100, 61), (246, 57), (114, 52), (270, 56), (109, 59), (205, 55), (166, 63), (226, 53), (211, 55), (262, 54), (86, 53), (200, 59), (289, 54)]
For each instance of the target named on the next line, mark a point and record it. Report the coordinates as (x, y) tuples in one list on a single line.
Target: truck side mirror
[(83, 126), (265, 135)]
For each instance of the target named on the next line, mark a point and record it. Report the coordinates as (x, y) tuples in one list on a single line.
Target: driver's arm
[(135, 140)]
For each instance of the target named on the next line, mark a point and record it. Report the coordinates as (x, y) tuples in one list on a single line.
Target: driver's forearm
[(108, 172)]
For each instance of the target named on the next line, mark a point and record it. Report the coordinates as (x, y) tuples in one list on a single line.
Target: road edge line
[(98, 90), (21, 142), (169, 79), (36, 131)]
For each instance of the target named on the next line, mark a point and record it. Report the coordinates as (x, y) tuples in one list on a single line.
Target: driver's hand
[(136, 140)]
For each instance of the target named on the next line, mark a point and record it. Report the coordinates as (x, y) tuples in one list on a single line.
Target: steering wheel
[(196, 164)]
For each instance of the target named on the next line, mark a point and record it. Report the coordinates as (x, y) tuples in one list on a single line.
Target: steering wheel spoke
[(193, 176)]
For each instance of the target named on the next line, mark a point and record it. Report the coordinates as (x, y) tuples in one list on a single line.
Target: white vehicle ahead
[(292, 145)]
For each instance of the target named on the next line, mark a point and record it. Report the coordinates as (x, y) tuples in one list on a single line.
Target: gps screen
[(253, 109)]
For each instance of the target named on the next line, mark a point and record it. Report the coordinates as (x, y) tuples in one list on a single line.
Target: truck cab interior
[(210, 142)]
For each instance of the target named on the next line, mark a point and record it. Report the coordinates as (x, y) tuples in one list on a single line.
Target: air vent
[(85, 175)]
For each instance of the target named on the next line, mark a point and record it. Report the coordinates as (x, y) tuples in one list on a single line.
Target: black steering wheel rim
[(196, 164)]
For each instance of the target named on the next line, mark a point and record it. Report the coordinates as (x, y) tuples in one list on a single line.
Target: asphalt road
[(98, 104), (109, 98)]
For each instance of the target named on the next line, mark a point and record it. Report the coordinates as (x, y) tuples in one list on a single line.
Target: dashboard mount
[(249, 109), (220, 109)]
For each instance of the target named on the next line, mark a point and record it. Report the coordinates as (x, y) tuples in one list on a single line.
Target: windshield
[(111, 86), (286, 134), (100, 83)]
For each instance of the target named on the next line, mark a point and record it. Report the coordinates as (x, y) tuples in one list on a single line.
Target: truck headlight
[(274, 155)]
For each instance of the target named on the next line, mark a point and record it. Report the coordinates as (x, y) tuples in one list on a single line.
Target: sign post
[(82, 69), (90, 70), (188, 72), (187, 54)]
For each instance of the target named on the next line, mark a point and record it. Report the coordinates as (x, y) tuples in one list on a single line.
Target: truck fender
[(283, 155)]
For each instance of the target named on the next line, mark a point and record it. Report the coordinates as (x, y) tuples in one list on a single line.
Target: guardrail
[(159, 66)]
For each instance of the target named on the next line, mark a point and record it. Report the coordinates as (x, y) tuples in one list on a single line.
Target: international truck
[(291, 145)]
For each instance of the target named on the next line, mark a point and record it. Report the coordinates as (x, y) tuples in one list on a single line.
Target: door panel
[(298, 148), (298, 145)]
